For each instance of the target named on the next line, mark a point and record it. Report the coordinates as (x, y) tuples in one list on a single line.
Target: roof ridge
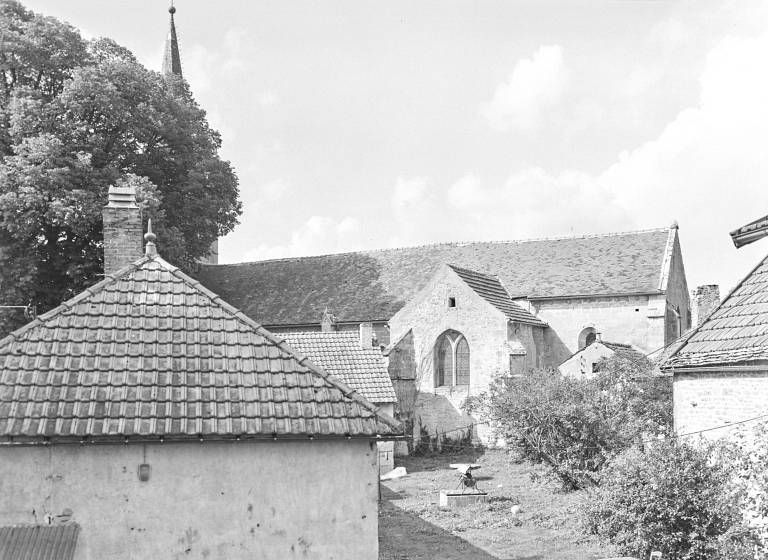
[(71, 302), (281, 343), (449, 243), (706, 319)]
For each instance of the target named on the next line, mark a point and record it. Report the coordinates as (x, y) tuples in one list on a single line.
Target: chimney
[(328, 322), (123, 239), (704, 300), (366, 335)]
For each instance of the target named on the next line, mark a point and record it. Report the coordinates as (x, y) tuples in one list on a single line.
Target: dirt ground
[(413, 527)]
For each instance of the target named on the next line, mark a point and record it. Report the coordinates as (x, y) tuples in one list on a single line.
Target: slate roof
[(374, 285), (734, 333), (150, 352), (39, 542), (490, 289), (340, 354)]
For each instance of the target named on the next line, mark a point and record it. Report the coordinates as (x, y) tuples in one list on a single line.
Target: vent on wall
[(451, 302)]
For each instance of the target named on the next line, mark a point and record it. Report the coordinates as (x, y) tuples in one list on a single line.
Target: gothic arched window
[(451, 360)]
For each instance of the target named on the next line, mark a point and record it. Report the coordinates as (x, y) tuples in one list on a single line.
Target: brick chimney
[(123, 239), (704, 300), (366, 335)]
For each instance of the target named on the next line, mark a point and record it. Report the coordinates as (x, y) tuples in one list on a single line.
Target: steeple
[(171, 58)]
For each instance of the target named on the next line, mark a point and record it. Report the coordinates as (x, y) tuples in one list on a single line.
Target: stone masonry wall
[(709, 399), (485, 329), (631, 320)]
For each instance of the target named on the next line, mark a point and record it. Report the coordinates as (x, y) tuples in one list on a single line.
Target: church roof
[(734, 333), (151, 353), (374, 285), (340, 354), (489, 288)]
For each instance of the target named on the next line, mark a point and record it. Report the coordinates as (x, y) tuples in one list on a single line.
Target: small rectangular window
[(451, 302)]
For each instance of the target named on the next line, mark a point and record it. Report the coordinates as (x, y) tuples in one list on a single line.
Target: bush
[(674, 497), (576, 425)]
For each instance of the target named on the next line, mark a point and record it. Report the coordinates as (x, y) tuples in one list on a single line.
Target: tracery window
[(451, 359)]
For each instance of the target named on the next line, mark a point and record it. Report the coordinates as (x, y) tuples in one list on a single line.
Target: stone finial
[(674, 225), (328, 322), (150, 238)]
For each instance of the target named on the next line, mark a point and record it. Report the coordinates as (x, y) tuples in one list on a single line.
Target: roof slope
[(490, 289), (340, 354), (39, 542), (150, 352), (735, 332), (627, 352), (373, 286)]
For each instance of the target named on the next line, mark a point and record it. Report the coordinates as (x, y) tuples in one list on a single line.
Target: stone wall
[(216, 501), (428, 315), (709, 399), (635, 320)]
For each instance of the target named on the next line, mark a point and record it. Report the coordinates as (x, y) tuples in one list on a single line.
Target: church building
[(451, 317)]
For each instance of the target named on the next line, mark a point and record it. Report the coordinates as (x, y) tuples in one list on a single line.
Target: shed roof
[(340, 354), (150, 352), (39, 542), (734, 333), (488, 287), (374, 285)]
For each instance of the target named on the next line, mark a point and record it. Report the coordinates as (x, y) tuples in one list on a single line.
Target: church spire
[(171, 57)]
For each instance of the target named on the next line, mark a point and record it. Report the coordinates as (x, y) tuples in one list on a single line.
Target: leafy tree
[(674, 497), (575, 426), (77, 116)]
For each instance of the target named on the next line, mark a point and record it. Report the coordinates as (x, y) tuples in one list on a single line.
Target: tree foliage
[(678, 498), (576, 426), (77, 116)]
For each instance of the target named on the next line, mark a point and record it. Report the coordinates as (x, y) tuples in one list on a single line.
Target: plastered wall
[(216, 501)]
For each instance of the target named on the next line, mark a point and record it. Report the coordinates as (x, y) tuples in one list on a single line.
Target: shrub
[(576, 425), (674, 497)]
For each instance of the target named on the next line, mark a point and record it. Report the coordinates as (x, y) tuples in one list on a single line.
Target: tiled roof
[(627, 352), (490, 289), (39, 542), (340, 354), (150, 352), (373, 286), (736, 332)]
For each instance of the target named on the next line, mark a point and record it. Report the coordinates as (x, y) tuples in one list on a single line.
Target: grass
[(527, 516)]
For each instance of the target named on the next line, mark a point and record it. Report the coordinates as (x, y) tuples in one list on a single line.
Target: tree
[(678, 498), (75, 117), (575, 426)]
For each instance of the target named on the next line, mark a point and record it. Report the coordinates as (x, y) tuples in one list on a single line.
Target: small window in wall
[(451, 360), (451, 302)]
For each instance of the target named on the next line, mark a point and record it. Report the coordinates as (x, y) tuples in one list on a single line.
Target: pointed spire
[(171, 58), (150, 249)]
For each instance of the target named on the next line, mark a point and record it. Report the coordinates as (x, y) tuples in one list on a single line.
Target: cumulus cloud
[(318, 235), (535, 84), (708, 161)]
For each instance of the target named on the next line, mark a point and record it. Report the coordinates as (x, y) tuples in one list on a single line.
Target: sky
[(362, 124)]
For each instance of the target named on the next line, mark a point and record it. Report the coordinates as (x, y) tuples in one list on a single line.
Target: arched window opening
[(587, 337), (451, 360)]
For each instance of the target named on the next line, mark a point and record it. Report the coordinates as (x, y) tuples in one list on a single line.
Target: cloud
[(535, 84), (318, 235), (709, 161), (409, 192)]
